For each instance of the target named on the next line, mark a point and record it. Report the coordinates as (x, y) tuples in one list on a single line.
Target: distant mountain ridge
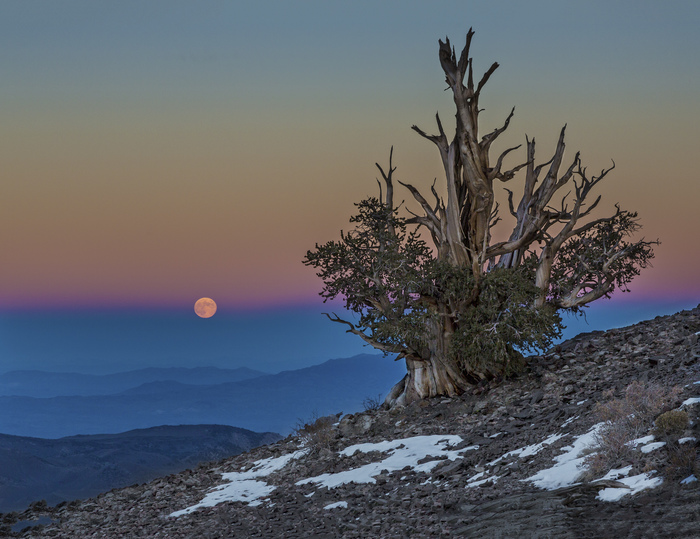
[(262, 403), (41, 384), (80, 466)]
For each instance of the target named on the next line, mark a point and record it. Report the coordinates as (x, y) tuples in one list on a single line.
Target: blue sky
[(156, 152)]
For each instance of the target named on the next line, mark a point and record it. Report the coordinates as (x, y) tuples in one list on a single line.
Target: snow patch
[(616, 474), (689, 479), (530, 449), (336, 505), (569, 464), (643, 440), (480, 479), (691, 401), (403, 452), (476, 478), (687, 439), (636, 483), (242, 486), (570, 420), (650, 447)]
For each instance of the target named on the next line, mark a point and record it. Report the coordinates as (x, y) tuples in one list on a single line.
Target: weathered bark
[(554, 199), (426, 379), (432, 374)]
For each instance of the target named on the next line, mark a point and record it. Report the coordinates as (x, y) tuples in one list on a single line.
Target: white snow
[(569, 464), (479, 479), (536, 448), (403, 452), (530, 449), (336, 505), (242, 486), (570, 420), (648, 448), (635, 483), (642, 440), (689, 479), (691, 401), (687, 439), (476, 478), (616, 473)]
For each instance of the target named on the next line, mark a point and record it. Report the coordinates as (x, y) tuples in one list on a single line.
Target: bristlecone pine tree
[(462, 311)]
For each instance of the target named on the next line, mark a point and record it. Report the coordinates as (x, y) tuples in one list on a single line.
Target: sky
[(152, 153)]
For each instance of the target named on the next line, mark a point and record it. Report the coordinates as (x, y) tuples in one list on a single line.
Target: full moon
[(205, 307)]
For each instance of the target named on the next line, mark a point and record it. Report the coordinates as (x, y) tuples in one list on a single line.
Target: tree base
[(426, 379)]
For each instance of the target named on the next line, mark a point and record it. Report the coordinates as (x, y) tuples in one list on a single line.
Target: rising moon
[(205, 307)]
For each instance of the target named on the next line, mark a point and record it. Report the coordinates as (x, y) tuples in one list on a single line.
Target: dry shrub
[(624, 420), (316, 433), (638, 408), (651, 400), (372, 403), (682, 461)]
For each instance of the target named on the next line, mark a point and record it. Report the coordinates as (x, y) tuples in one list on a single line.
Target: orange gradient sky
[(152, 153)]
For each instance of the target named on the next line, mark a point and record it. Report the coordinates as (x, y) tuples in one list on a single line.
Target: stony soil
[(563, 384)]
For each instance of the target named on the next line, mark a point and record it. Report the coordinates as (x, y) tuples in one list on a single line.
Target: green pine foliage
[(389, 277), (494, 330)]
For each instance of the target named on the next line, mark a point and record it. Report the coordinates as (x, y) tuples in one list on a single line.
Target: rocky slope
[(500, 461)]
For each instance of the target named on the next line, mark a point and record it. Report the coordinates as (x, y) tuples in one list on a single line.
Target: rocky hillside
[(581, 445)]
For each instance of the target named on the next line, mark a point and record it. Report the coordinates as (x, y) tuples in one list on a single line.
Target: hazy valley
[(41, 384), (272, 402), (79, 439)]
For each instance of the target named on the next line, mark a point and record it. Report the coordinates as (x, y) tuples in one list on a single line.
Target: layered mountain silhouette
[(80, 466), (58, 442), (273, 402), (55, 384)]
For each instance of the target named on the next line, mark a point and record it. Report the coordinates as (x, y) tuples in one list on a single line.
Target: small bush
[(670, 424), (648, 401), (682, 462), (638, 408), (611, 449), (624, 420), (372, 403), (316, 433)]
